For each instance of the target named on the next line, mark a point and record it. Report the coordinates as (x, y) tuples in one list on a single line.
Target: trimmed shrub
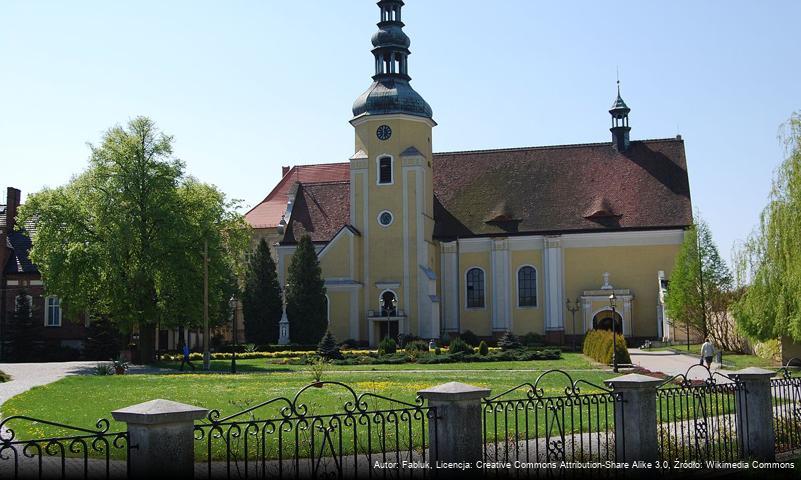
[(483, 348), (470, 338), (416, 346), (437, 351), (598, 346), (532, 339), (328, 348), (508, 341), (387, 346), (459, 346)]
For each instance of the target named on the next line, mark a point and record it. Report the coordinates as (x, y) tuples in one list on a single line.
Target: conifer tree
[(102, 339), (328, 348), (20, 339), (305, 295), (261, 300)]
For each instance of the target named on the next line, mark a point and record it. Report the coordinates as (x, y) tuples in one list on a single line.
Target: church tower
[(391, 191), (620, 123)]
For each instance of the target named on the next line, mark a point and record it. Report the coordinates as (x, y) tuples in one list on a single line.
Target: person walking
[(185, 359), (707, 353)]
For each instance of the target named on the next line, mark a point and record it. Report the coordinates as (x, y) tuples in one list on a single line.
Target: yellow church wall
[(631, 267), (339, 314), (477, 320), (527, 319), (335, 259)]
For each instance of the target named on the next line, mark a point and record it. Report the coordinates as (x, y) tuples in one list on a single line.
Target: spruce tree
[(21, 343), (261, 300), (306, 303), (509, 341), (327, 348), (102, 339)]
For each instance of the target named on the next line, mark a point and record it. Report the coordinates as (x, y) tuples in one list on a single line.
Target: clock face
[(383, 132)]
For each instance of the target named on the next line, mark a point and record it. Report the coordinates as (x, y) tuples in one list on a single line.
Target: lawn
[(81, 400)]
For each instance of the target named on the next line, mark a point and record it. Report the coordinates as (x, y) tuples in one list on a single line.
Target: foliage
[(4, 377), (598, 346), (769, 264), (458, 345), (416, 345), (262, 305), (699, 284), (438, 351), (387, 346), (328, 347), (317, 368), (120, 366), (483, 348), (104, 368), (305, 295), (532, 339), (126, 236), (470, 338), (102, 339), (20, 343), (509, 341)]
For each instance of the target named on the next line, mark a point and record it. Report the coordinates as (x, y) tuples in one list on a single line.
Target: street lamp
[(573, 309), (612, 300)]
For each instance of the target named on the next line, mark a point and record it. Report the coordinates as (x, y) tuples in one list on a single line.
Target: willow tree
[(125, 237), (769, 264)]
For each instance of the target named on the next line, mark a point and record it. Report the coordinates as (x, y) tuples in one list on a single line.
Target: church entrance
[(603, 320), (388, 329)]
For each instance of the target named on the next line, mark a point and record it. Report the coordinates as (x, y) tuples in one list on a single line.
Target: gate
[(540, 430), (73, 452), (697, 418), (786, 394), (369, 435)]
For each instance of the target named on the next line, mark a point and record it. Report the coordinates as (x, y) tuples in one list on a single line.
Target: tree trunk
[(147, 344)]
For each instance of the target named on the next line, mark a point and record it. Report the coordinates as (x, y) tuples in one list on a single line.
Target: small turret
[(620, 123)]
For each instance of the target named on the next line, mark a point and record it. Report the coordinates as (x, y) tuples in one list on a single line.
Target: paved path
[(669, 362), (25, 376)]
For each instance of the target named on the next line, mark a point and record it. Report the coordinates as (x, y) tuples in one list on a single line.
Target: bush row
[(598, 346), (415, 356)]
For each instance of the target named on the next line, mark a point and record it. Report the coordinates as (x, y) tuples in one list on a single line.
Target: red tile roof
[(558, 189), (268, 213)]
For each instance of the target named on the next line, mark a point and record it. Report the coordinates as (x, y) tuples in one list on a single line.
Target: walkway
[(669, 362)]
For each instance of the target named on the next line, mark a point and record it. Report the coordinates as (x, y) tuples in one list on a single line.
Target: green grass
[(569, 361), (81, 400)]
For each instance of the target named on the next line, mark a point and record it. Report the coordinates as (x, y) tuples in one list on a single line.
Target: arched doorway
[(604, 319), (389, 304)]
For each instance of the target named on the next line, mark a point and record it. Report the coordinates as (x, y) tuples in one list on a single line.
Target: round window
[(385, 218)]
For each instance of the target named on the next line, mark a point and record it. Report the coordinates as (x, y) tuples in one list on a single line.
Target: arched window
[(385, 170), (475, 288), (527, 287), (53, 312)]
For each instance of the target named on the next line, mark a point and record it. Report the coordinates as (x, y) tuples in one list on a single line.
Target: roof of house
[(268, 212), (19, 241), (533, 190)]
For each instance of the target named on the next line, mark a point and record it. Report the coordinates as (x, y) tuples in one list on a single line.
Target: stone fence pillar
[(458, 422), (635, 418), (754, 414), (161, 436)]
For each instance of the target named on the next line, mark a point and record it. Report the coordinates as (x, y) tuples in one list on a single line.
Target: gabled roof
[(320, 210), (19, 242), (268, 212), (533, 190)]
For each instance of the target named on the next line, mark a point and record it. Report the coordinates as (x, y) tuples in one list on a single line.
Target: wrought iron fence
[(369, 436), (786, 394), (550, 425), (73, 452), (697, 418)]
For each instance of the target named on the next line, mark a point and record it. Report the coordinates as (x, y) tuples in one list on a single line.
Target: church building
[(528, 239)]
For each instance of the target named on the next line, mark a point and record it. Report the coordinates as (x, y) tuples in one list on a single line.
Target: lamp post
[(612, 300), (573, 309), (232, 304)]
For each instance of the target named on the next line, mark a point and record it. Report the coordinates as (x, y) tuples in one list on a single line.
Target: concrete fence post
[(455, 435), (754, 413), (635, 418), (161, 436)]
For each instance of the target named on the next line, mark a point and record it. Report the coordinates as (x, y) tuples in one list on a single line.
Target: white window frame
[(47, 311), (536, 287), (484, 281), (378, 169)]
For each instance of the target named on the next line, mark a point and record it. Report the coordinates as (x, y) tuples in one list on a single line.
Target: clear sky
[(248, 86)]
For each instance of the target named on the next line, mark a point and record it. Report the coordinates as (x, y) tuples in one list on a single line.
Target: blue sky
[(248, 86)]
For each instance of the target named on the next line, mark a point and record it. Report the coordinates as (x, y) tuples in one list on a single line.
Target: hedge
[(598, 346)]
